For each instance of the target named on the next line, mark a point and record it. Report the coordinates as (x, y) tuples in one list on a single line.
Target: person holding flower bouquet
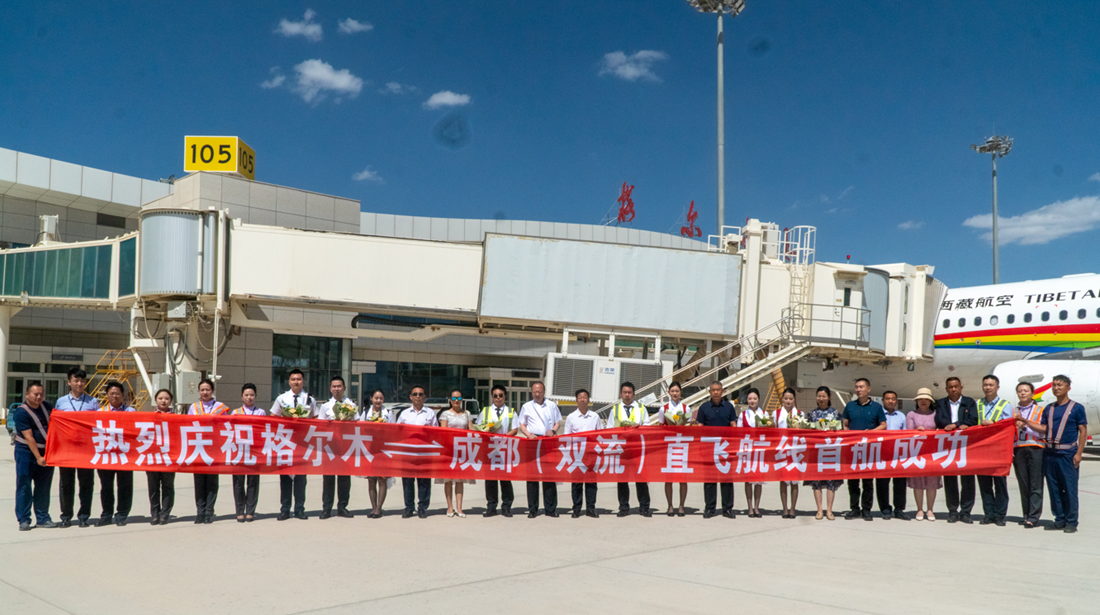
[(630, 413), (376, 412), (298, 404), (498, 418), (754, 416), (337, 408), (717, 412), (206, 485), (455, 417), (246, 487), (675, 413), (825, 418), (788, 417)]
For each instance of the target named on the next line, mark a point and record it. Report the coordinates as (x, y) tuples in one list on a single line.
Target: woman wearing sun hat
[(924, 487)]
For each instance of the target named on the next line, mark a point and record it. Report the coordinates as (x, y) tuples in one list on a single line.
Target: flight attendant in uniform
[(784, 418), (753, 490), (628, 410), (505, 422), (675, 413), (293, 485), (76, 401), (107, 478), (162, 485), (206, 485), (246, 487), (377, 486)]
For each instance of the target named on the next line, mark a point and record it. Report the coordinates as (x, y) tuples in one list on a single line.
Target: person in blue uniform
[(33, 478), (76, 401), (1066, 428)]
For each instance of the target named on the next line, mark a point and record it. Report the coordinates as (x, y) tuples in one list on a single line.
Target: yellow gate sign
[(220, 154)]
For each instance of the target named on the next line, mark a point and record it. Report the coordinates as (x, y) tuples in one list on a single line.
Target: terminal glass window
[(397, 378), (319, 358), (127, 266)]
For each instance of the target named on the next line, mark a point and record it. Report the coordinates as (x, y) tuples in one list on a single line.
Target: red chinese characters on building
[(626, 204), (691, 230)]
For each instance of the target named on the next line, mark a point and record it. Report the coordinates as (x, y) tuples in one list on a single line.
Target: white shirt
[(425, 416), (783, 418), (673, 408), (577, 422), (748, 417), (493, 414), (325, 412), (289, 400), (954, 410), (539, 418), (366, 414)]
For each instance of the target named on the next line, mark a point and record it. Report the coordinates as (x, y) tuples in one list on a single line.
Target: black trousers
[(994, 490), (1028, 463), (957, 502), (642, 489), (491, 499), (882, 488), (246, 490), (292, 485), (587, 491), (860, 500), (422, 495), (206, 493), (107, 492), (162, 493), (549, 496), (68, 481), (340, 486), (710, 496)]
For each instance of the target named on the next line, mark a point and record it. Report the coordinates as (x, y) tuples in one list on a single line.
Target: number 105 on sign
[(220, 154)]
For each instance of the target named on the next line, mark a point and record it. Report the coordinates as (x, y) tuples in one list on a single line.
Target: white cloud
[(277, 79), (394, 87), (351, 26), (840, 197), (1095, 177), (368, 175), (1042, 225), (317, 79), (911, 225), (632, 67), (306, 28), (446, 98)]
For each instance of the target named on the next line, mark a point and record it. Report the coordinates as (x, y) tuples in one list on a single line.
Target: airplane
[(1020, 332)]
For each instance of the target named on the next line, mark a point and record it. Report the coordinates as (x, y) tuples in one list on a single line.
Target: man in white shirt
[(340, 486), (417, 415), (506, 422), (895, 420), (578, 422), (632, 414), (76, 401), (540, 418), (293, 484)]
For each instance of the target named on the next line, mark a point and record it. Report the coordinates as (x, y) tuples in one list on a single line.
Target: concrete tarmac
[(544, 565)]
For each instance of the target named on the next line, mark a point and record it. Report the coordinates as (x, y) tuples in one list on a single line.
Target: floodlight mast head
[(995, 145), (731, 7)]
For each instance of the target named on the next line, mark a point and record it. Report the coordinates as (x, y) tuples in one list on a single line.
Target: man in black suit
[(957, 412)]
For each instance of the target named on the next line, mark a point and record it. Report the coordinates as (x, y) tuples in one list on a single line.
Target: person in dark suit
[(957, 412)]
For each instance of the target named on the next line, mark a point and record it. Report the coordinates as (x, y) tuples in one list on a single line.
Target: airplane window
[(1011, 319), (946, 323), (977, 321), (1027, 317), (993, 320), (1045, 316), (1063, 315), (962, 322), (1081, 314)]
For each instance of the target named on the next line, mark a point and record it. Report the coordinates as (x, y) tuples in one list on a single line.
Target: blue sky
[(855, 117)]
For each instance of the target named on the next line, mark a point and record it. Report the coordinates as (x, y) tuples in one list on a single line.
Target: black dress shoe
[(422, 514), (1054, 528), (48, 525), (729, 514), (532, 514), (647, 513), (709, 514), (240, 519), (867, 516), (887, 515), (344, 513), (103, 522), (680, 514), (408, 514), (901, 514), (66, 522), (208, 519), (284, 515), (552, 513), (83, 523), (121, 521), (851, 514), (301, 514), (592, 513), (154, 521), (200, 519), (576, 514), (965, 518), (489, 513), (325, 514), (952, 517), (1000, 522), (507, 512), (164, 520), (622, 513), (986, 521)]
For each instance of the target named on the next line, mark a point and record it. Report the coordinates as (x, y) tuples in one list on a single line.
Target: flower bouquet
[(798, 421), (344, 411), (764, 420), (627, 424), (828, 424), (487, 426), (375, 416), (296, 412), (677, 417)]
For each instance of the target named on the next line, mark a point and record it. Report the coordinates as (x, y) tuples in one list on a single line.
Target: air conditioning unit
[(600, 375)]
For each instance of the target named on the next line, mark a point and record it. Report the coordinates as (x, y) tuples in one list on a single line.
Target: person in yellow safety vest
[(1027, 456), (498, 418), (631, 414), (994, 489)]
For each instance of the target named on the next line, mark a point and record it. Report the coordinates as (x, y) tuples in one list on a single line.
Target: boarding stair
[(119, 366)]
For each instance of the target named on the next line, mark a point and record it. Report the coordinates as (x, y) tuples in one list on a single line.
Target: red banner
[(270, 445)]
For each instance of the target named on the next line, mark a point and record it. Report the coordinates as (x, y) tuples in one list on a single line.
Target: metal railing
[(832, 325)]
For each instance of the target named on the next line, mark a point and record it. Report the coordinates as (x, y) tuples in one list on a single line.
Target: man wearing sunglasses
[(503, 420), (540, 418), (417, 415)]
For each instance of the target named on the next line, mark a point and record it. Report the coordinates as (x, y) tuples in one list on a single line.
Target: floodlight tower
[(733, 7), (997, 147)]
